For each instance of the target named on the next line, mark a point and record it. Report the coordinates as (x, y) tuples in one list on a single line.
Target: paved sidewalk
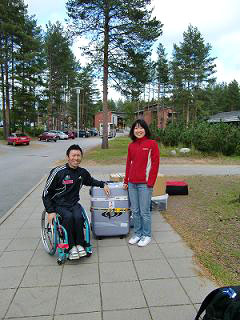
[(118, 281)]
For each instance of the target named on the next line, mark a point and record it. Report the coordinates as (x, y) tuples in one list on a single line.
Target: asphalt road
[(22, 167)]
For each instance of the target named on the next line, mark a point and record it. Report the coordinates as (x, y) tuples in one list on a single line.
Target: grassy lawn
[(208, 219), (117, 153)]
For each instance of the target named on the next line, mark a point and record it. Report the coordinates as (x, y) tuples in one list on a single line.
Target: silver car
[(60, 134)]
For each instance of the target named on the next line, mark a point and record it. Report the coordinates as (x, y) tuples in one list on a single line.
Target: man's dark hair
[(74, 147), (141, 123)]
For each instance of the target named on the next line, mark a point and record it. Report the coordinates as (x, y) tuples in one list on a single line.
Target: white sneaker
[(73, 254), (134, 239), (81, 251), (144, 241)]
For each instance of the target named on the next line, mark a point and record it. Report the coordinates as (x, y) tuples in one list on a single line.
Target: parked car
[(60, 134), (48, 136), (18, 138), (84, 133), (93, 131), (71, 134)]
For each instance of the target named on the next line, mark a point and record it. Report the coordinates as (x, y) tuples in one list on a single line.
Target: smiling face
[(139, 131), (74, 158)]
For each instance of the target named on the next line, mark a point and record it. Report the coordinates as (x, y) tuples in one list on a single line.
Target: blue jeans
[(140, 197)]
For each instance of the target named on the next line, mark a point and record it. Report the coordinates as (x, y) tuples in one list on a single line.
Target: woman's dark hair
[(74, 147), (142, 124)]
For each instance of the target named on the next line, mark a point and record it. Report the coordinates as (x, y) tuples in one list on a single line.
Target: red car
[(48, 136), (18, 138), (71, 134)]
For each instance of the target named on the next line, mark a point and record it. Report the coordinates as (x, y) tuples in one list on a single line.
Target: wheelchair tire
[(48, 234)]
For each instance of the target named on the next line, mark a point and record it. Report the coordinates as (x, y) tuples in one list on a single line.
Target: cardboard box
[(159, 187), (117, 177)]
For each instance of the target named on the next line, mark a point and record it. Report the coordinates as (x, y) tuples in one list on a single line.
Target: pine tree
[(233, 96), (114, 27), (162, 72), (192, 70)]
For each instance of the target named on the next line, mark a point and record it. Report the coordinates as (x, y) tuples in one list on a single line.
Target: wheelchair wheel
[(48, 234)]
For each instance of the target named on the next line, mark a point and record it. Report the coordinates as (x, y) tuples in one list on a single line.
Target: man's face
[(74, 158)]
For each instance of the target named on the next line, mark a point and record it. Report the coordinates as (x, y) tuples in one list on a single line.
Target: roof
[(232, 116)]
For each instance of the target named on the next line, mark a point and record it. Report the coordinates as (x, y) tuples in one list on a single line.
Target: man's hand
[(51, 216), (107, 190), (125, 186)]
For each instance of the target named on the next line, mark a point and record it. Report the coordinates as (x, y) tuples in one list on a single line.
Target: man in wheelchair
[(61, 196)]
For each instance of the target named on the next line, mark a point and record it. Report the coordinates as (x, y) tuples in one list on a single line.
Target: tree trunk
[(13, 104), (105, 77), (7, 106), (3, 102)]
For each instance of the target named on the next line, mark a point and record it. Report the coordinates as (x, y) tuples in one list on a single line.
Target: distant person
[(61, 196), (141, 173)]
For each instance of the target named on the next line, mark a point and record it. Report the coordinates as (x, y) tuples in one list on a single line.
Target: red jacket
[(142, 162)]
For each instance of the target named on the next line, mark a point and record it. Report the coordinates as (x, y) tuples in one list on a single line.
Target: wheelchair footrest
[(63, 246)]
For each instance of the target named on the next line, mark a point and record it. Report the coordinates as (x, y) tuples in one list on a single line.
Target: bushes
[(205, 137)]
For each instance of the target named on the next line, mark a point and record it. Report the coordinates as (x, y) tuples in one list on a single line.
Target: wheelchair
[(54, 237)]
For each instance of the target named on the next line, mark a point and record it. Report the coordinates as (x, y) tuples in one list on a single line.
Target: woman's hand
[(125, 186)]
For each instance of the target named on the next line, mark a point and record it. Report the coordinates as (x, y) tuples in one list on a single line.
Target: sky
[(217, 20)]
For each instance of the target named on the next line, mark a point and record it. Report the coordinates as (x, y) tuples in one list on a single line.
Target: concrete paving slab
[(40, 276), (80, 274), (162, 292), (122, 295), (28, 233), (107, 254), (42, 258), (4, 243), (33, 302), (152, 251), (78, 299), (92, 259), (23, 244), (186, 312), (197, 288), (16, 258), (184, 267), (8, 232), (154, 269), (5, 300), (11, 277), (14, 224), (36, 318), (175, 249), (161, 226), (112, 242), (117, 271), (166, 236), (80, 316), (133, 314)]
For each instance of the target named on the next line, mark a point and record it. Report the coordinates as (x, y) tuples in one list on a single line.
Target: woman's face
[(139, 131)]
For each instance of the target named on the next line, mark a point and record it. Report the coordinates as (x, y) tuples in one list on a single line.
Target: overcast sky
[(217, 20)]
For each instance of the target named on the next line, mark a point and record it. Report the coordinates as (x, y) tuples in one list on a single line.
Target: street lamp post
[(78, 89)]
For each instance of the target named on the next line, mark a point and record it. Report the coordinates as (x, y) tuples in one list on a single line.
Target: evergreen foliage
[(120, 31)]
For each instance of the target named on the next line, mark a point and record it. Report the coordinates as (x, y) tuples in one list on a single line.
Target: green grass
[(209, 221), (117, 152)]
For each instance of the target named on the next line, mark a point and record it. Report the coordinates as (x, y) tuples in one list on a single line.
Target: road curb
[(10, 211)]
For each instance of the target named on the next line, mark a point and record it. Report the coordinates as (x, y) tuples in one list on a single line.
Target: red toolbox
[(176, 187)]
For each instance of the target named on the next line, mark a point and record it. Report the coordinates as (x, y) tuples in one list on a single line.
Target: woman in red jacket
[(141, 173)]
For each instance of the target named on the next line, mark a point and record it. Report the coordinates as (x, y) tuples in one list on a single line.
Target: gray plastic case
[(110, 215)]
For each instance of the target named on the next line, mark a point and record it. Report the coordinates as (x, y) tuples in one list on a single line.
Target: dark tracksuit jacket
[(61, 195)]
